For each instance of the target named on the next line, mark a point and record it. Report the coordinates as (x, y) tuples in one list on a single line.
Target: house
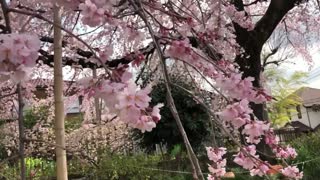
[(306, 119), (71, 108), (308, 112)]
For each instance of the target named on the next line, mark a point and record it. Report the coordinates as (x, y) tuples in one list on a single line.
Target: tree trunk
[(96, 102), (61, 159)]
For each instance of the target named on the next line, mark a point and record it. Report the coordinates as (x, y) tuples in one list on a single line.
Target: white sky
[(313, 80)]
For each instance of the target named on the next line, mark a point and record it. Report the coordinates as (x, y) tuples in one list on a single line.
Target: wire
[(307, 161)]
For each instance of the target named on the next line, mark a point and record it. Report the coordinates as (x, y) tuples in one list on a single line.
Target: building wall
[(308, 117)]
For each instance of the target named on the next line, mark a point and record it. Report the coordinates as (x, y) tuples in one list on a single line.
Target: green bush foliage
[(34, 115), (194, 118), (137, 167), (308, 159)]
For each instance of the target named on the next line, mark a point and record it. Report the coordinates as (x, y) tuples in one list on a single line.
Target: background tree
[(195, 119), (284, 89)]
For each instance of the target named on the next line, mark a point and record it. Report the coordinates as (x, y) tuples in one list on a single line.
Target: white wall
[(313, 120), (314, 117)]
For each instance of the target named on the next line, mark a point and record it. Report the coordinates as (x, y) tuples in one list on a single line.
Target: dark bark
[(84, 55), (82, 60)]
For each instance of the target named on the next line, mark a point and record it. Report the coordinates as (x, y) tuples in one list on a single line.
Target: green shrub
[(34, 115), (308, 158), (194, 118), (73, 122), (39, 167), (135, 167)]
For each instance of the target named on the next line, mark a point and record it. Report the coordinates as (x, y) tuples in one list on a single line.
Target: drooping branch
[(5, 10), (197, 173)]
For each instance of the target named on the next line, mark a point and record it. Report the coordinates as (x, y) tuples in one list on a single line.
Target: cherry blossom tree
[(220, 41)]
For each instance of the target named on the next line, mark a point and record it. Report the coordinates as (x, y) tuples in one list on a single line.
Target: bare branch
[(7, 95)]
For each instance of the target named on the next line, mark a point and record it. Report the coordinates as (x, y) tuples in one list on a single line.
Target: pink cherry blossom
[(261, 170), (217, 169), (237, 114), (156, 112), (126, 100), (145, 123), (247, 159), (180, 50), (18, 53), (270, 138), (217, 172), (215, 154), (254, 130), (92, 15), (210, 177), (292, 172), (285, 152), (244, 161)]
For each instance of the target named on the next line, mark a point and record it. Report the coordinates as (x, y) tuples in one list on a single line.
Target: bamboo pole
[(61, 160)]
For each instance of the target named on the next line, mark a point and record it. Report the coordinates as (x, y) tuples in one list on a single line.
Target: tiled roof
[(298, 126), (40, 82)]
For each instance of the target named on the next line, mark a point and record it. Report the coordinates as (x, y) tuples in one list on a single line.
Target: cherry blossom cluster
[(217, 168), (239, 88), (239, 17), (292, 172), (237, 114), (280, 152), (126, 100), (248, 159), (255, 129), (18, 52), (92, 12), (285, 152), (230, 80)]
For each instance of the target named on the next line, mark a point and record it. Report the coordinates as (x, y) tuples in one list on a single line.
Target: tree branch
[(7, 95), (265, 59), (274, 14)]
